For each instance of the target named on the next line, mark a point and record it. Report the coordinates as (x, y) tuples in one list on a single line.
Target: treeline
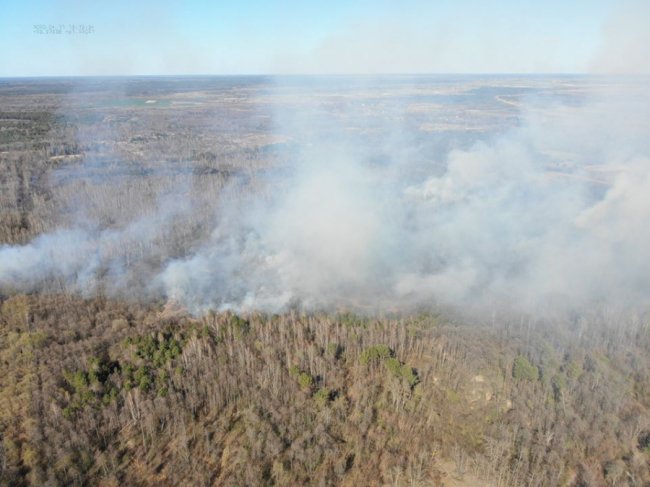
[(99, 392)]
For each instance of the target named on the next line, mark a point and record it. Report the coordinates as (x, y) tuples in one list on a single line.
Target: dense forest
[(101, 392), (122, 387)]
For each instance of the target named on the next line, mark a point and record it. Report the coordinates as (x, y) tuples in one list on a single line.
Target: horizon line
[(326, 75)]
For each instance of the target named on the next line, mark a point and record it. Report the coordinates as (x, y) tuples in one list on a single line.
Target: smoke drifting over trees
[(359, 210), (498, 223)]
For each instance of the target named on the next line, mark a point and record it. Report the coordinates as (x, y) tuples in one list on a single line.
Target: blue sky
[(287, 36)]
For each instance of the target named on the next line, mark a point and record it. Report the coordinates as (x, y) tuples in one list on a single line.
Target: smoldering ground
[(550, 214)]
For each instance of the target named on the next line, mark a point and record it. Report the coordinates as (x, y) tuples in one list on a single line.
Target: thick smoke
[(552, 213), (86, 259)]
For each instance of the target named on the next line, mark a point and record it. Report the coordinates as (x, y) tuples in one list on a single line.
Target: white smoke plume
[(625, 46), (551, 213)]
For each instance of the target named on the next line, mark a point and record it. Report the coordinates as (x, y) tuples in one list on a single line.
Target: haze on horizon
[(357, 37)]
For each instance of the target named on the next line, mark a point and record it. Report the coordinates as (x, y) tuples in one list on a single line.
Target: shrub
[(240, 326), (334, 350), (644, 441), (129, 381), (573, 370), (322, 396), (91, 387), (375, 353), (100, 369), (143, 378), (402, 371), (305, 380), (524, 370), (352, 320), (15, 311), (294, 371), (559, 384), (410, 375), (394, 366), (157, 350)]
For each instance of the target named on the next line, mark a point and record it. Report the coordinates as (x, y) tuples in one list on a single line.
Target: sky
[(166, 37)]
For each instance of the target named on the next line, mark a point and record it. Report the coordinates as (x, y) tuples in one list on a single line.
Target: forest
[(108, 378)]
